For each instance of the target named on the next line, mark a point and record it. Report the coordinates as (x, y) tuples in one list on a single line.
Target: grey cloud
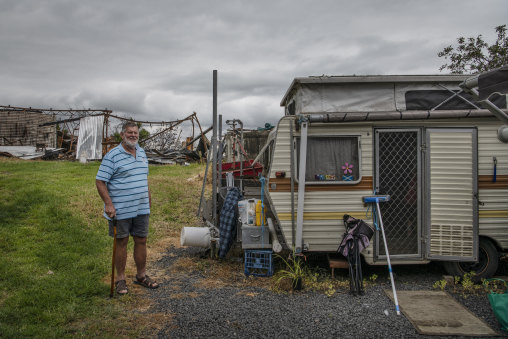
[(154, 59)]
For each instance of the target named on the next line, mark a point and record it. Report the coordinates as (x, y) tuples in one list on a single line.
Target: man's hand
[(110, 210)]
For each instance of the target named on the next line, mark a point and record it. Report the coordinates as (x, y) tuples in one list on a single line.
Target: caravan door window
[(331, 159)]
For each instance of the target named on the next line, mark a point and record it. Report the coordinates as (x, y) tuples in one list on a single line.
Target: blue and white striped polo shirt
[(126, 178)]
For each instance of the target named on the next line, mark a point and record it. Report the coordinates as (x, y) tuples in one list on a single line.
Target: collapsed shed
[(87, 134), (22, 127)]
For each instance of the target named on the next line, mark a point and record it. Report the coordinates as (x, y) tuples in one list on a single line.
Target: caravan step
[(337, 263)]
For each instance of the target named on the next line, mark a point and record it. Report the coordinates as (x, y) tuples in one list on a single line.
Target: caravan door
[(398, 162), (451, 191)]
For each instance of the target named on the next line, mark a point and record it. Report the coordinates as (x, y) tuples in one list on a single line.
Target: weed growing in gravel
[(441, 284), (314, 279), (494, 285), (294, 270), (466, 285), (318, 282)]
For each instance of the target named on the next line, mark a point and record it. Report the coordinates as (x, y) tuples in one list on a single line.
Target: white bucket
[(195, 236)]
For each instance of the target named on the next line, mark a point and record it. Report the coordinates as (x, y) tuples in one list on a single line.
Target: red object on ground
[(249, 170)]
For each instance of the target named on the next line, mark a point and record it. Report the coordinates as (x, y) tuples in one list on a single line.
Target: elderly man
[(122, 182)]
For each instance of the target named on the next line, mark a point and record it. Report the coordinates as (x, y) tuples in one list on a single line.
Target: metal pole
[(301, 186), (204, 185), (292, 166), (214, 151), (220, 127), (220, 155), (378, 210), (241, 155)]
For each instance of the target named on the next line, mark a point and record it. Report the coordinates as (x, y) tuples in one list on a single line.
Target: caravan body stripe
[(361, 215), (493, 214), (323, 215)]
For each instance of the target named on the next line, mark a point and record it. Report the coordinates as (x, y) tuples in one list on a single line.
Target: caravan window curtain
[(331, 159)]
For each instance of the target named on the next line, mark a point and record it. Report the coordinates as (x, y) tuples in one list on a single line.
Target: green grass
[(55, 253)]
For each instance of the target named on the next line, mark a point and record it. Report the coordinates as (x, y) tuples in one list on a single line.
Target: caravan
[(422, 140)]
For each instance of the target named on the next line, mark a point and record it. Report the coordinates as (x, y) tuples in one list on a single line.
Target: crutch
[(350, 260), (359, 277), (111, 292), (376, 199)]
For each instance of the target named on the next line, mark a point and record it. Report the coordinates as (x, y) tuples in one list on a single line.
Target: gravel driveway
[(199, 306)]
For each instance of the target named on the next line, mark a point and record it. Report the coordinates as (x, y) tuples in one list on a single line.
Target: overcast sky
[(153, 60)]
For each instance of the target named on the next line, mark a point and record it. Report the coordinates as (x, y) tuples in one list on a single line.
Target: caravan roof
[(356, 79), (379, 93)]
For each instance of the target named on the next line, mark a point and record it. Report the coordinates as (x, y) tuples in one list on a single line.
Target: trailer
[(423, 140)]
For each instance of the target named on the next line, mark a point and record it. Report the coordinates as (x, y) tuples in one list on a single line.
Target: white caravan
[(420, 139)]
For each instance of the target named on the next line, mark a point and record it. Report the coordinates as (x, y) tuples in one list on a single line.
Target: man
[(122, 182)]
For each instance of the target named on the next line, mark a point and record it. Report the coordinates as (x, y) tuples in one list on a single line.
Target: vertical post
[(292, 166), (220, 127), (219, 157), (214, 151), (241, 155), (301, 187)]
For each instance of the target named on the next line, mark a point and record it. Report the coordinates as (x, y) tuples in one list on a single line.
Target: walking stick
[(111, 292)]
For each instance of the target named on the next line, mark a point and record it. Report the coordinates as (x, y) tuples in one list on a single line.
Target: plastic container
[(258, 263), (242, 210), (259, 214), (251, 212)]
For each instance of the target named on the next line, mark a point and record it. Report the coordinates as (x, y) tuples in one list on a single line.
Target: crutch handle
[(375, 198)]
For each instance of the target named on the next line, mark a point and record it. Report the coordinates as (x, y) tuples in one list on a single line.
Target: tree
[(474, 55), (143, 134), (164, 139)]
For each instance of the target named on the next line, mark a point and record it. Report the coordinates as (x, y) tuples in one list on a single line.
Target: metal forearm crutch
[(376, 200)]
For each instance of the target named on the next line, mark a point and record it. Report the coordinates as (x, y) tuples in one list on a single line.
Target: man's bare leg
[(121, 259), (140, 260)]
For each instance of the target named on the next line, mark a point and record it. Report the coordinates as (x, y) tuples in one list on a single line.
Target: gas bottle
[(259, 214)]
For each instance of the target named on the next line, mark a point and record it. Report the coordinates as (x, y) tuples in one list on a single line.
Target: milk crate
[(258, 263)]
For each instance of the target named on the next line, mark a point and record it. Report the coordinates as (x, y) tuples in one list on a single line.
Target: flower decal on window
[(348, 168)]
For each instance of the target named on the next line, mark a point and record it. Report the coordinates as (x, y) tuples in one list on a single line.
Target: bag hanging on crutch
[(357, 237)]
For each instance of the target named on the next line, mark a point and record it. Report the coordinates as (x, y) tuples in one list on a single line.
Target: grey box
[(255, 237)]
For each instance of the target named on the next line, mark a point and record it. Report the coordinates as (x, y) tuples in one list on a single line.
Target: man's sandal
[(121, 287), (147, 282)]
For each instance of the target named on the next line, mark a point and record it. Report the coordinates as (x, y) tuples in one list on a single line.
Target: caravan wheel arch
[(488, 258)]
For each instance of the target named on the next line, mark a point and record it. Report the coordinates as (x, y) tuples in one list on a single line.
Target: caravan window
[(331, 159)]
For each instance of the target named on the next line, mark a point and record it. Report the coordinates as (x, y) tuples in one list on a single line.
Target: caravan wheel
[(484, 268)]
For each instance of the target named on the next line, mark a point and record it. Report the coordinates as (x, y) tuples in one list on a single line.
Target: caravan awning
[(493, 82)]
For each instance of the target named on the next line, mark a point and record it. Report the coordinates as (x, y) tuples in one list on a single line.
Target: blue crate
[(258, 263)]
